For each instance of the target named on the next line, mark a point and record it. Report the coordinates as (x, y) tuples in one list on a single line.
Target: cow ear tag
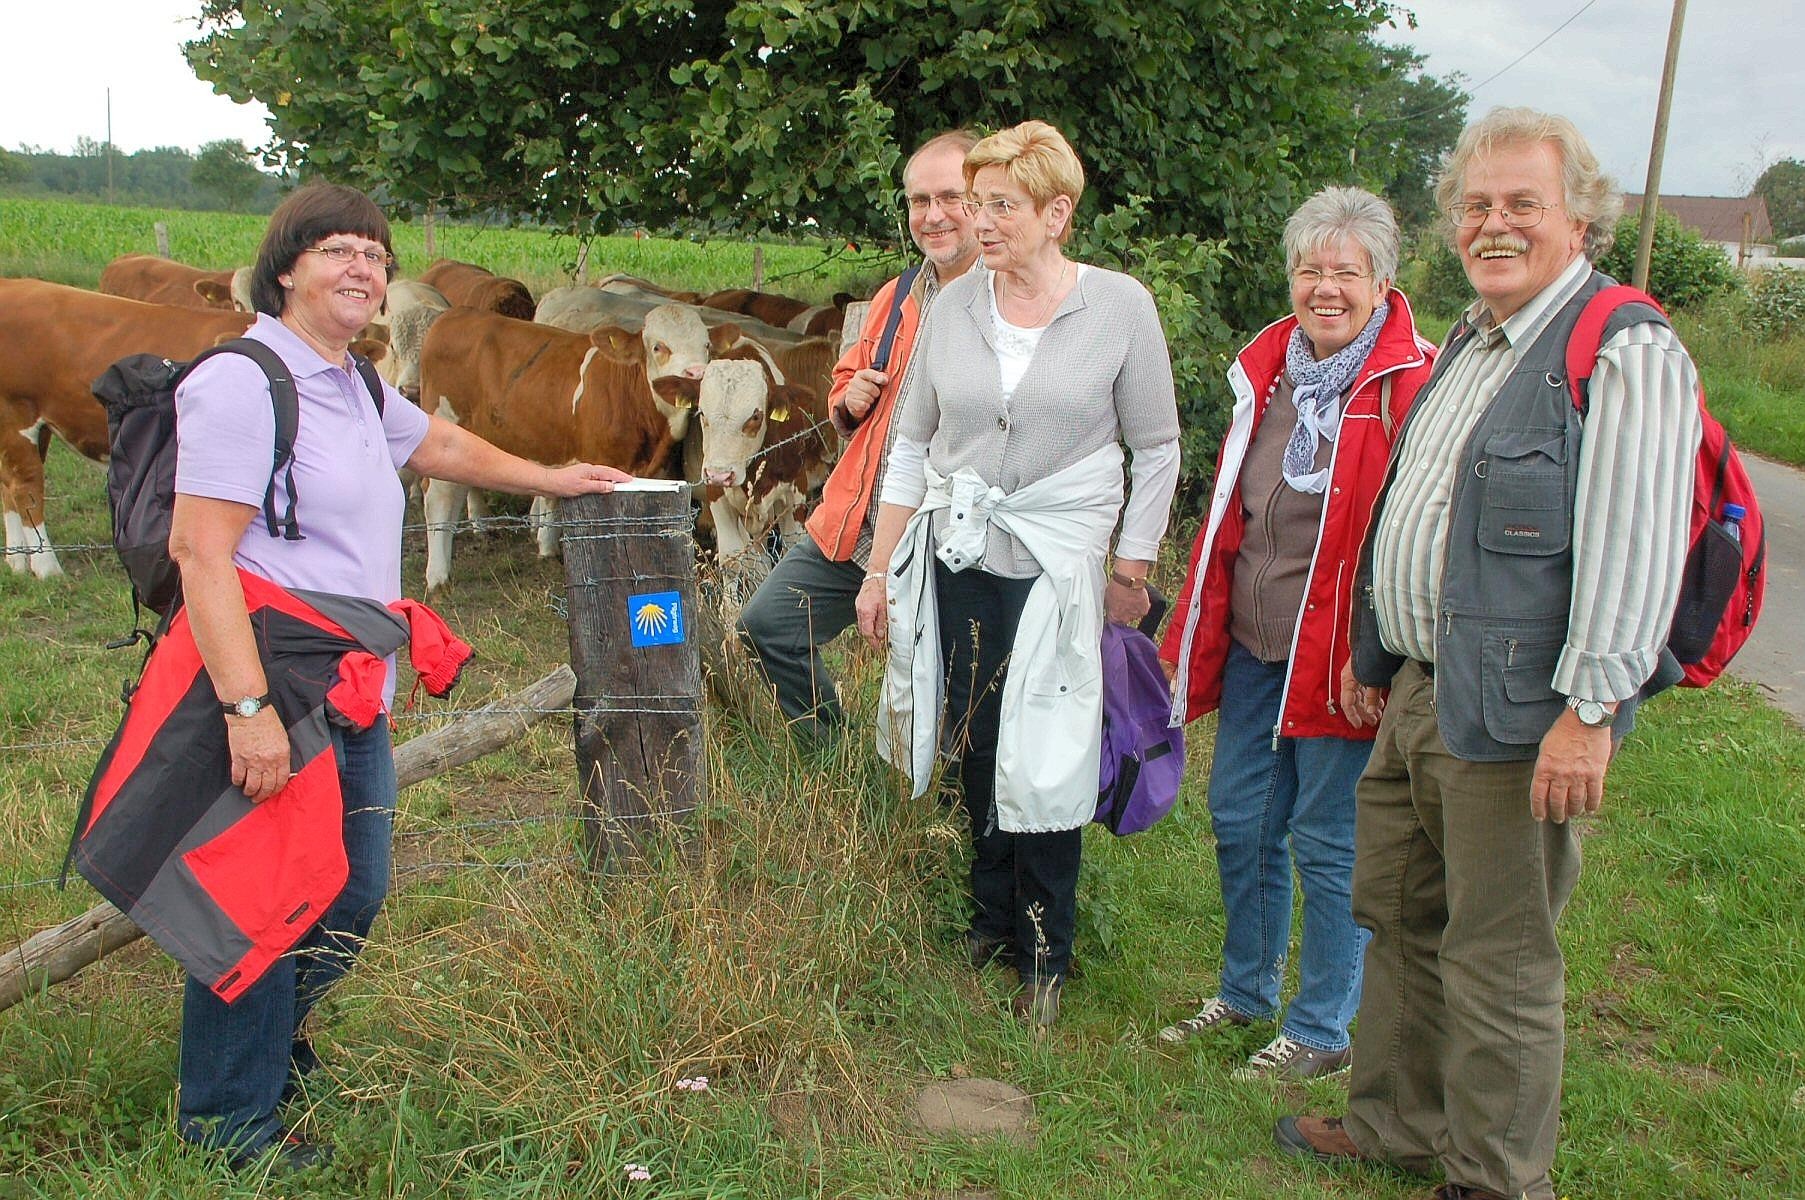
[(781, 413)]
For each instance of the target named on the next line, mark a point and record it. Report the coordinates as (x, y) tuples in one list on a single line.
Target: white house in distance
[(1738, 224)]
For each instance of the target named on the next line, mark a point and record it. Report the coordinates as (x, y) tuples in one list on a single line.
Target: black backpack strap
[(372, 380), (880, 361), (287, 405)]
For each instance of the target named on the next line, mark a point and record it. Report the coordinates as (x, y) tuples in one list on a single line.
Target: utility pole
[(1651, 191)]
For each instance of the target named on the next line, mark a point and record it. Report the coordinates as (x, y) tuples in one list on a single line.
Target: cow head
[(213, 293), (672, 344), (736, 402)]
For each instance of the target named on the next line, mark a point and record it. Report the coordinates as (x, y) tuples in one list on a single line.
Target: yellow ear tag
[(781, 413)]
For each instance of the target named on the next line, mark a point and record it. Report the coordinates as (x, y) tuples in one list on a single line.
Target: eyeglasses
[(1000, 209), (1521, 213), (920, 202), (344, 254), (1311, 277)]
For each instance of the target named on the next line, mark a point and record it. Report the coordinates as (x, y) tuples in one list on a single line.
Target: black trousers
[(1024, 885)]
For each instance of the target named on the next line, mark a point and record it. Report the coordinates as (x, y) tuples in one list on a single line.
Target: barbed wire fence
[(460, 832)]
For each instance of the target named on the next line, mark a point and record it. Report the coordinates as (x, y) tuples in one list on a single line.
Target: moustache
[(1498, 241)]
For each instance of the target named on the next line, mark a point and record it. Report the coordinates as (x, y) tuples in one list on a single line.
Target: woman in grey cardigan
[(1004, 485)]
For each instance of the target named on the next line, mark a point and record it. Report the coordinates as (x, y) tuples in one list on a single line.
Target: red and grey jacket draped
[(223, 885), (1197, 637)]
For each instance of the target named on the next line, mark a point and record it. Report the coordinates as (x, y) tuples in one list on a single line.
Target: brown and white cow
[(557, 397), (55, 342), (409, 311), (164, 281), (467, 285), (785, 312), (765, 447)]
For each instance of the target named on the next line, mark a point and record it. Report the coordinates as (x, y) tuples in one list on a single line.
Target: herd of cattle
[(727, 391)]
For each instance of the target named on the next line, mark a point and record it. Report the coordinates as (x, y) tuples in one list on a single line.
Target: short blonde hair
[(1036, 158), (1589, 194)]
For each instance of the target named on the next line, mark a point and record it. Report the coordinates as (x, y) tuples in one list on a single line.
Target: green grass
[(70, 242), (518, 1033), (1755, 385)]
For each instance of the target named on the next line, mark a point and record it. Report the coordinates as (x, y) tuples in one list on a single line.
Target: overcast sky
[(1739, 100)]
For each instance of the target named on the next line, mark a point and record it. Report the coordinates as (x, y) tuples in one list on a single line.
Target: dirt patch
[(975, 1108)]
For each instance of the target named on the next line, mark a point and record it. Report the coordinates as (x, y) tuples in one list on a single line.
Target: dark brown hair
[(309, 214)]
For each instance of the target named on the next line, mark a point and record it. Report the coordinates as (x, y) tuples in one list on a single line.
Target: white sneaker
[(1214, 1014), (1287, 1059)]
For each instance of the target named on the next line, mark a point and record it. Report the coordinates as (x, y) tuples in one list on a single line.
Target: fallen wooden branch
[(57, 954)]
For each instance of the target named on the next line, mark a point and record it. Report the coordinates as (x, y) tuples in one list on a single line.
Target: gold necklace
[(1046, 308)]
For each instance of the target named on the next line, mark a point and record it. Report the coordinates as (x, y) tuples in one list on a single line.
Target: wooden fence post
[(629, 562), (162, 232)]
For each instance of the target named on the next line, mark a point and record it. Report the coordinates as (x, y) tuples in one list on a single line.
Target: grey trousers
[(803, 604), (1457, 1054)]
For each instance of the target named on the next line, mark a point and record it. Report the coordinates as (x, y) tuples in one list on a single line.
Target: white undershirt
[(1015, 344)]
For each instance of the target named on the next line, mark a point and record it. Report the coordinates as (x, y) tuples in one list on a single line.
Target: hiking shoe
[(1320, 1138), (1215, 1014), (1282, 1058), (1460, 1191), (285, 1155), (984, 950), (1038, 1002)]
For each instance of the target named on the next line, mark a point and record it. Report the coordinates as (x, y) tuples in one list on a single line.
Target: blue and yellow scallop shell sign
[(656, 619)]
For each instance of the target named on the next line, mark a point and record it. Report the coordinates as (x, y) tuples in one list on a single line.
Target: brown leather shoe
[(1320, 1138)]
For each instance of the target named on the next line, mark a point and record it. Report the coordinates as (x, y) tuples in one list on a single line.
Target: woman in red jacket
[(1260, 632)]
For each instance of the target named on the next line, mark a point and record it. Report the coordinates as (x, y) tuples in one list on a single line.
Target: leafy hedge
[(1684, 269)]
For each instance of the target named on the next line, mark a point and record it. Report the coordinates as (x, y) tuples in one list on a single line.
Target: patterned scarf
[(1316, 390)]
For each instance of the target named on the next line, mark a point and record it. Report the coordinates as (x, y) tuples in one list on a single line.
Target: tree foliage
[(790, 115), (224, 168), (1405, 122), (1783, 186), (162, 176), (1683, 269)]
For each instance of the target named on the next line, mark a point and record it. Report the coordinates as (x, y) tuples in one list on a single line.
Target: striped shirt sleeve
[(1632, 513)]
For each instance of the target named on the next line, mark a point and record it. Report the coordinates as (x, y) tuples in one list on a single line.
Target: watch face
[(1591, 712), (250, 706)]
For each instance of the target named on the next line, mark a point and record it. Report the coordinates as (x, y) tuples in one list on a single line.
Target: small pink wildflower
[(637, 1172), (698, 1084)]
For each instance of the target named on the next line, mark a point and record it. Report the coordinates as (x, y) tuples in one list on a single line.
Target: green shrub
[(1684, 269), (1185, 276), (1777, 301), (1433, 278)]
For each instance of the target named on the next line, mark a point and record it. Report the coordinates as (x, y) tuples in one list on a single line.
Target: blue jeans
[(235, 1057), (1272, 809)]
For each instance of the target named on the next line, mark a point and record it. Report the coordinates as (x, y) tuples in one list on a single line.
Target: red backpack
[(1725, 577)]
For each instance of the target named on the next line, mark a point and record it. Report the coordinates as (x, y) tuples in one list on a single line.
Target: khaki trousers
[(1457, 1054)]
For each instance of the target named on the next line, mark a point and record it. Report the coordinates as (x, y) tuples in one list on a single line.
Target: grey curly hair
[(1590, 195)]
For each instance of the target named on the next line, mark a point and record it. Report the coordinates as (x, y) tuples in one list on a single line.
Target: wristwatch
[(250, 706), (1591, 713)]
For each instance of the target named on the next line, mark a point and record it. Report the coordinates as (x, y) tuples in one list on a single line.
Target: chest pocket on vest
[(1526, 504)]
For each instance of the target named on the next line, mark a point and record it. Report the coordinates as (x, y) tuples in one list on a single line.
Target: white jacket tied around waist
[(1050, 735)]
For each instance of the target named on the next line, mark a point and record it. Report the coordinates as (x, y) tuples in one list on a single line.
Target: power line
[(1468, 93)]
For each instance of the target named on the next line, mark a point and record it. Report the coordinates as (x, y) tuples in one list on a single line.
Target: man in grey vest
[(1516, 592)]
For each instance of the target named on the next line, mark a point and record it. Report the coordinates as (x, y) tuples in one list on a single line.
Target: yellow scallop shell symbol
[(650, 618)]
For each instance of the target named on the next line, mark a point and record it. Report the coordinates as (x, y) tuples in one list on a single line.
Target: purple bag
[(1143, 757)]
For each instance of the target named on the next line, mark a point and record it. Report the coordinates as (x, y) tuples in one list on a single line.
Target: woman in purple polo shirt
[(321, 274)]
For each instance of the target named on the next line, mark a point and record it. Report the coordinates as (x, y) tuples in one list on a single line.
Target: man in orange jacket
[(807, 600)]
